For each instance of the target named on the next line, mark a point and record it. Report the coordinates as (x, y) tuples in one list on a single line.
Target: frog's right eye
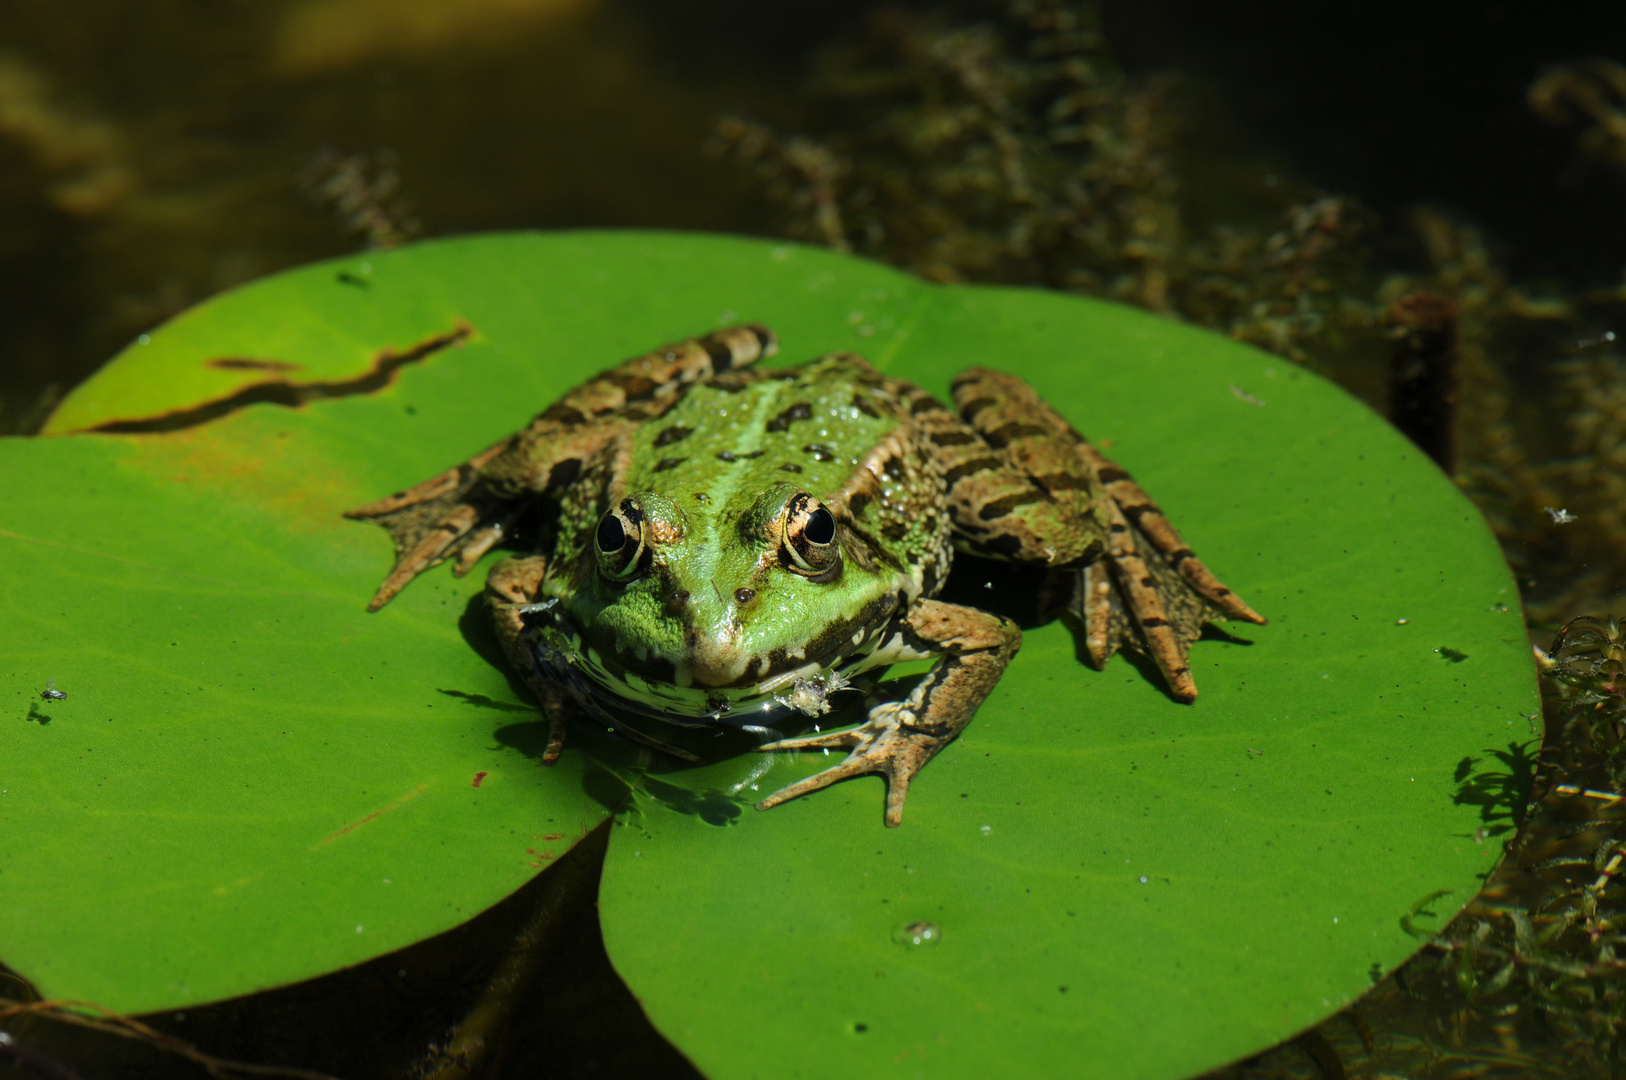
[(620, 542)]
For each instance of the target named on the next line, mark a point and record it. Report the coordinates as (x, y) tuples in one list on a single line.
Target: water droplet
[(1143, 879), (986, 829), (917, 934)]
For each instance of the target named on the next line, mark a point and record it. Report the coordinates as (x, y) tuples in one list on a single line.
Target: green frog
[(731, 546)]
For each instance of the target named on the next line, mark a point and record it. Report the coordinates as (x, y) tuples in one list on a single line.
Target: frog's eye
[(620, 542), (810, 538)]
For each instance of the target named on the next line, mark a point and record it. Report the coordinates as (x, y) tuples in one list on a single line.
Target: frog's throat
[(609, 692)]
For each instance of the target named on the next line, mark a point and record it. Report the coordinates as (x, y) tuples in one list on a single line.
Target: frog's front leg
[(514, 583), (899, 738)]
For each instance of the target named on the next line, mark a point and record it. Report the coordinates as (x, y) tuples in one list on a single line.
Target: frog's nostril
[(745, 596)]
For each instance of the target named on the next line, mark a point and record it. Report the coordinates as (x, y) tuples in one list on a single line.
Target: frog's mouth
[(611, 693)]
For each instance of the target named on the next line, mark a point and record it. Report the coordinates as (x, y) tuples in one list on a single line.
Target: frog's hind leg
[(1150, 573), (973, 648), (1149, 592), (466, 510)]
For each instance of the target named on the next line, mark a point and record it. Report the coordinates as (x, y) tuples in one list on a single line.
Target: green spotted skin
[(717, 609)]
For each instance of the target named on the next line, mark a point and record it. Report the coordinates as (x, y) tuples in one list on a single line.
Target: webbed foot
[(887, 744), (972, 648)]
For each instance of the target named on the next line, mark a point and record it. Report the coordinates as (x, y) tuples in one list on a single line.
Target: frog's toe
[(886, 745), (830, 740)]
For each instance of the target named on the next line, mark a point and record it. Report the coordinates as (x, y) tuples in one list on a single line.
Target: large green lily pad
[(252, 781)]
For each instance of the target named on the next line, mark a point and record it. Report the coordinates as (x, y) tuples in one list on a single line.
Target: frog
[(718, 543)]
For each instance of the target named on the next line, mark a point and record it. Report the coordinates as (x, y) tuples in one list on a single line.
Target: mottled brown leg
[(1163, 644), (997, 509), (512, 584), (901, 737), (1149, 592), (1139, 508)]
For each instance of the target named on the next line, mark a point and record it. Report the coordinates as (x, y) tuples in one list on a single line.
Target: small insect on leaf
[(51, 693)]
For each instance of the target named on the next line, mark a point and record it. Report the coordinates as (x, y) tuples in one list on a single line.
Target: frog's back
[(834, 428), (748, 430)]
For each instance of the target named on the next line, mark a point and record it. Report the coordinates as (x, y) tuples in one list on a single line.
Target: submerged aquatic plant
[(1014, 150)]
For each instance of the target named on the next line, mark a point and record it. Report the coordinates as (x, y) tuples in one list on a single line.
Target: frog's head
[(744, 596)]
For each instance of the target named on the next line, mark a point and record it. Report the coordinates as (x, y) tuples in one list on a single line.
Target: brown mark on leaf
[(243, 363), (288, 394), (479, 778), (375, 815)]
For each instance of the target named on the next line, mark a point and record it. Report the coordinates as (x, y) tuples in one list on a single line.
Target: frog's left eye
[(620, 542), (810, 538)]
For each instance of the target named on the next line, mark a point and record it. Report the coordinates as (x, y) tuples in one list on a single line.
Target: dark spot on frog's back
[(998, 508), (673, 434), (722, 357), (863, 405), (789, 467), (969, 468), (669, 463), (561, 413), (635, 387), (857, 503), (820, 452), (564, 474), (971, 408), (1016, 429), (799, 411)]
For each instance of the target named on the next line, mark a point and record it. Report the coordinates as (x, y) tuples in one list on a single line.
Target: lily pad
[(251, 781)]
